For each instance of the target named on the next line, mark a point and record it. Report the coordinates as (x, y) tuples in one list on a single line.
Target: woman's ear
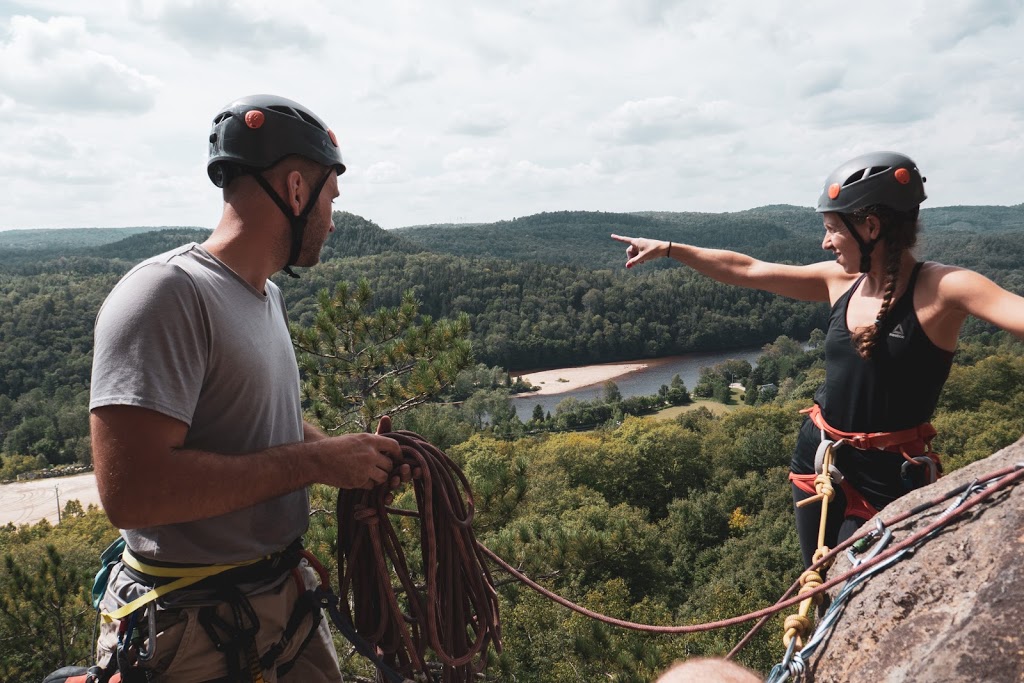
[(874, 226)]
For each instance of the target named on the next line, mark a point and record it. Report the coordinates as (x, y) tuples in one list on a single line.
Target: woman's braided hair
[(899, 230)]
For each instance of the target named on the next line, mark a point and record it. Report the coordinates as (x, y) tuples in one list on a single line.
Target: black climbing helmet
[(253, 133), (874, 179), (887, 178)]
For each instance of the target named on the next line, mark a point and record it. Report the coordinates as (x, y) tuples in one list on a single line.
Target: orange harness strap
[(913, 444), (916, 441)]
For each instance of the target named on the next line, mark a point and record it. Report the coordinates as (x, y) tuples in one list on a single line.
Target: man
[(201, 455)]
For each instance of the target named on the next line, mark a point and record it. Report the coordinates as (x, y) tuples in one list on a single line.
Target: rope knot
[(820, 553), (796, 625), (365, 514), (823, 485), (809, 582)]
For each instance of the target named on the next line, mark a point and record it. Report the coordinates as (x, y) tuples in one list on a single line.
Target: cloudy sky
[(482, 110)]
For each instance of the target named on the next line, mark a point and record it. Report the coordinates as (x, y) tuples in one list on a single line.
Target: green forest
[(627, 506)]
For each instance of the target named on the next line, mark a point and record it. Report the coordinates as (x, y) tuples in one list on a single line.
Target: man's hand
[(357, 461), (404, 473)]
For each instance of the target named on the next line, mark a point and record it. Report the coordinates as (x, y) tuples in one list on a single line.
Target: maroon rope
[(456, 597), (1010, 475)]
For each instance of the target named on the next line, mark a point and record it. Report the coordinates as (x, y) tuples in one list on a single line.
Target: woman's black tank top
[(898, 387)]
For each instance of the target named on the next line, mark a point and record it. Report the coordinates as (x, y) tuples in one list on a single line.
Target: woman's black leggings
[(838, 527)]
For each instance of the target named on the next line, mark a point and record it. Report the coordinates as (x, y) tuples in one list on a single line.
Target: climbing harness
[(235, 637), (181, 577), (913, 444)]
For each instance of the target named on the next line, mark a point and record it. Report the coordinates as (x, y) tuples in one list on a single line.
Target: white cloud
[(970, 19), (473, 159), (384, 172), (479, 121), (486, 110), (654, 120), (53, 65), (209, 26), (410, 71)]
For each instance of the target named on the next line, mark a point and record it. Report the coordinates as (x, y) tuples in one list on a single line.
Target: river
[(643, 382)]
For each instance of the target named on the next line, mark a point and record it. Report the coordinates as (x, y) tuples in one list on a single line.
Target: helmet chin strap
[(298, 223), (865, 247)]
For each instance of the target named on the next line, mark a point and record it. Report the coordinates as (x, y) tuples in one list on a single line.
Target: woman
[(892, 332)]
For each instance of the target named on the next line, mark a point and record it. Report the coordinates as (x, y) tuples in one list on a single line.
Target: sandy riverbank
[(569, 379)]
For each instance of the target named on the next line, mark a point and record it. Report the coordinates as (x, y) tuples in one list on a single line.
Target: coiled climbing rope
[(442, 612)]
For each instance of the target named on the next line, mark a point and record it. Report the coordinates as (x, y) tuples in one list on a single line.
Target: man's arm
[(146, 478), (312, 433)]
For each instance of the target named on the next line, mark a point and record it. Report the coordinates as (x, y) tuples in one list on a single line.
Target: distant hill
[(65, 238), (142, 246), (582, 237), (984, 238), (978, 219), (777, 233), (355, 236)]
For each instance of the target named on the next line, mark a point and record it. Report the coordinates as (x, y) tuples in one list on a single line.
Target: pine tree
[(45, 618), (361, 364)]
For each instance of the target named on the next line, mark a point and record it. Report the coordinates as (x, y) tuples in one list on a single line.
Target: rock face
[(951, 611)]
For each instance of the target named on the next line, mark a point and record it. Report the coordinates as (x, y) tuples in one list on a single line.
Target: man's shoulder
[(172, 264), (170, 275)]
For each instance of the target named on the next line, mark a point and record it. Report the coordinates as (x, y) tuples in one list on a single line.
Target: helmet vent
[(865, 173), (297, 113), (310, 120)]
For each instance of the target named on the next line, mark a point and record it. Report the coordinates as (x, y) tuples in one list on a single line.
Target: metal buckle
[(819, 461), (933, 471)]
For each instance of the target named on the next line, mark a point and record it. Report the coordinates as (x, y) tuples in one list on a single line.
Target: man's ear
[(296, 191)]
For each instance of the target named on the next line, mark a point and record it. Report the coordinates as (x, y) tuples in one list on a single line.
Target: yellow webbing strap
[(185, 576)]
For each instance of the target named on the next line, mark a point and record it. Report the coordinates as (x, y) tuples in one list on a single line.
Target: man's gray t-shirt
[(184, 335)]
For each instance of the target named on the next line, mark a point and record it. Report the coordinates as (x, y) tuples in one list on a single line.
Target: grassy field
[(714, 406)]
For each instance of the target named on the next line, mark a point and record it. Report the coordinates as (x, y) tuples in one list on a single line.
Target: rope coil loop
[(452, 594)]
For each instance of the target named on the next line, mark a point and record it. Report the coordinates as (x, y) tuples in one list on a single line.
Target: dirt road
[(27, 502)]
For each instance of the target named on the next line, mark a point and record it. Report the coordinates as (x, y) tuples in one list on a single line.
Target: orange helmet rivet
[(902, 176), (254, 118), (833, 190), (333, 137)]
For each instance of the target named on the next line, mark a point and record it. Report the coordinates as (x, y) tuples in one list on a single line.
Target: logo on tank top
[(897, 332)]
